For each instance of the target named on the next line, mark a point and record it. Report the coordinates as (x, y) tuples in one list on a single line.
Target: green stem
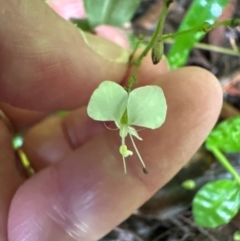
[(204, 28), (226, 164), (155, 36), (139, 41), (210, 48), (173, 35)]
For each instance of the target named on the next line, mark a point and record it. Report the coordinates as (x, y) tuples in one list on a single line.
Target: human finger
[(10, 179), (75, 9), (68, 199), (46, 63), (22, 118)]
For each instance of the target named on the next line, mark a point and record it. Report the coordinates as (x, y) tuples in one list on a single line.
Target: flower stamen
[(139, 156)]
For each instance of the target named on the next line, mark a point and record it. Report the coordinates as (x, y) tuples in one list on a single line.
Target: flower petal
[(108, 102), (133, 132), (147, 107)]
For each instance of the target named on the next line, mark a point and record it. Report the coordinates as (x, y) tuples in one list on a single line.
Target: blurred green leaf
[(111, 12), (216, 203), (236, 236), (200, 11), (82, 24), (225, 136)]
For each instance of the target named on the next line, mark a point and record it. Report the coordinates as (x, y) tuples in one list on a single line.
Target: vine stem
[(159, 37), (156, 35), (210, 47), (226, 164), (204, 28)]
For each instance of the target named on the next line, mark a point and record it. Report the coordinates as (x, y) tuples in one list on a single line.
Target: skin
[(79, 191)]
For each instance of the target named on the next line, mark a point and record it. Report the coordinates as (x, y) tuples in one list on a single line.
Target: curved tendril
[(109, 128), (139, 156)]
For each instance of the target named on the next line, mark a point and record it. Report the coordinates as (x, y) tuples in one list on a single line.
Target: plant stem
[(210, 48), (158, 37), (139, 41), (204, 28), (226, 164), (155, 36)]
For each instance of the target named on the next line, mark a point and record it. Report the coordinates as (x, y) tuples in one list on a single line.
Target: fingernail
[(105, 48)]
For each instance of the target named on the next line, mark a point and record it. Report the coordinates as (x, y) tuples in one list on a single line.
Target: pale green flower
[(143, 106)]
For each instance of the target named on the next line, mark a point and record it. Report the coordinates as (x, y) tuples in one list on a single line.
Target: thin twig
[(210, 48), (200, 229)]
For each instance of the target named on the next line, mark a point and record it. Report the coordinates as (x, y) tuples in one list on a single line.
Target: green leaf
[(225, 136), (111, 12), (201, 11), (216, 203), (82, 24), (236, 236)]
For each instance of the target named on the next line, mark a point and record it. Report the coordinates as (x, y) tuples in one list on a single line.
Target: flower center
[(124, 119)]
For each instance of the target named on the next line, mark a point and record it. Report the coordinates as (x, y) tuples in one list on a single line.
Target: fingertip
[(196, 91), (194, 100), (203, 88), (56, 66)]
